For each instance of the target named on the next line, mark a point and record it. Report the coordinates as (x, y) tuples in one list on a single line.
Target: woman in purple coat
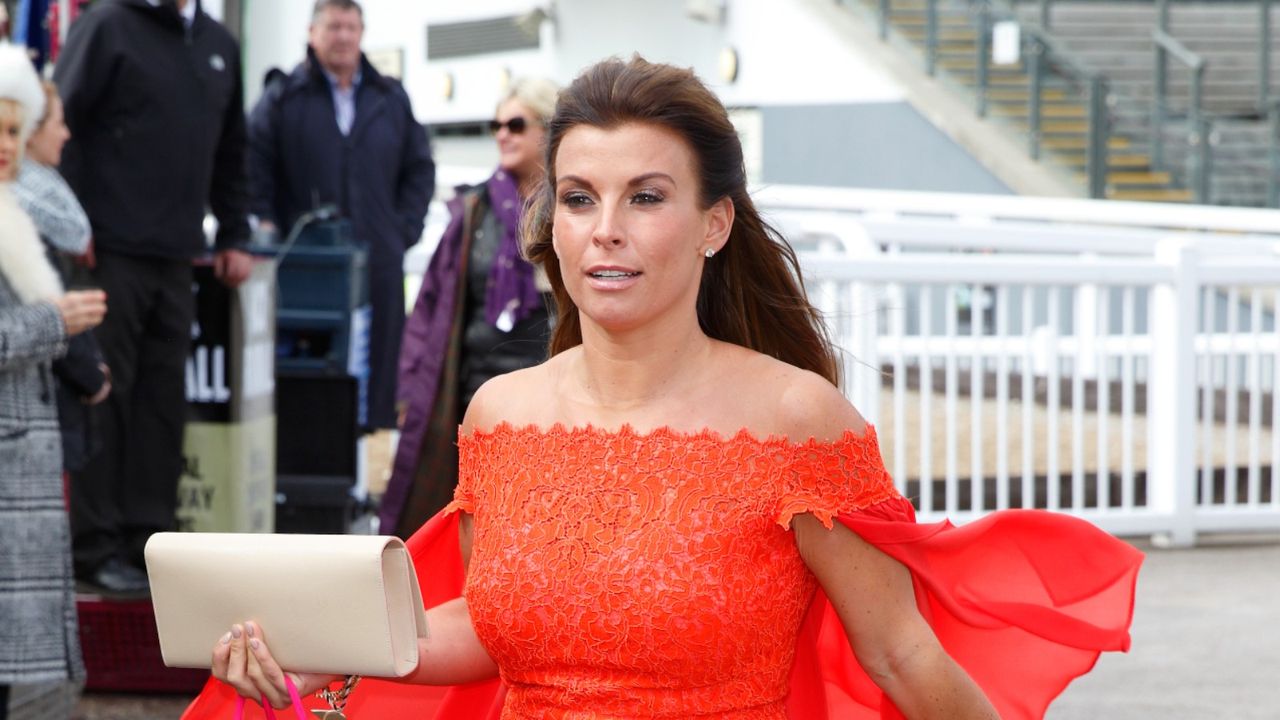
[(481, 312)]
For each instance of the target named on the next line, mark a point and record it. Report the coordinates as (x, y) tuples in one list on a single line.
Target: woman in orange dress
[(679, 514)]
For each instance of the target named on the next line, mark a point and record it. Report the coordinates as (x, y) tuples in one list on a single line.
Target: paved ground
[(1206, 644), (1206, 640)]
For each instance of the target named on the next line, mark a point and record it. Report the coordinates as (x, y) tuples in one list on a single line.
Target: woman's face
[(45, 144), (629, 228), (10, 139), (519, 153)]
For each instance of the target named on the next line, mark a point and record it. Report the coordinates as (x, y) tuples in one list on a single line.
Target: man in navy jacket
[(337, 131), (152, 94)]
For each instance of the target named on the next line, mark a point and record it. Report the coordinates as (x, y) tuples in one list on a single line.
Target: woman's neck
[(621, 372)]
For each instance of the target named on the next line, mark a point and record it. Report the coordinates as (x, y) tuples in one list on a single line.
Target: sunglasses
[(515, 125)]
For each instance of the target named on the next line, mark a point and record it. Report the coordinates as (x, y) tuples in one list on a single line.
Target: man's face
[(335, 37)]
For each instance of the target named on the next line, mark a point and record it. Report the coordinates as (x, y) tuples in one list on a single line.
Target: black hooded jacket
[(157, 125)]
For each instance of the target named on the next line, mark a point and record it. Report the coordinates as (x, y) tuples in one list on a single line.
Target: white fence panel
[(1130, 381)]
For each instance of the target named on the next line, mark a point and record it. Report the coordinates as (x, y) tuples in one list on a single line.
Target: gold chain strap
[(338, 700)]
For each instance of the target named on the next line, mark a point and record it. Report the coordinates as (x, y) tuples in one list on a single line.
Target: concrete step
[(1067, 12), (1080, 143), (1141, 42), (1115, 161), (1139, 178), (1057, 128), (1048, 111), (968, 78), (1024, 101), (949, 20), (1130, 56), (969, 64), (1024, 94), (1170, 195), (945, 35)]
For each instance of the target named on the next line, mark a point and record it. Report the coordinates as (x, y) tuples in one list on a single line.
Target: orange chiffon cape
[(1023, 600)]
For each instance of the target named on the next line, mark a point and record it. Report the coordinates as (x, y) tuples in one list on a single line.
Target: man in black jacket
[(337, 131), (152, 95)]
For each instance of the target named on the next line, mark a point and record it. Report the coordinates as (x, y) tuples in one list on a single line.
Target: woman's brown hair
[(751, 293)]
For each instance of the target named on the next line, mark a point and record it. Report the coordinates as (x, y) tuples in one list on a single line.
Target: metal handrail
[(1043, 51), (1042, 47), (1264, 54), (1198, 123), (1180, 51), (1273, 154)]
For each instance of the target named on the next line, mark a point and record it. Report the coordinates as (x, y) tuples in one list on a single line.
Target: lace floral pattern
[(619, 574)]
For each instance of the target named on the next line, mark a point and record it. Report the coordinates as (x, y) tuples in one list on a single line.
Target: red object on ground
[(122, 650)]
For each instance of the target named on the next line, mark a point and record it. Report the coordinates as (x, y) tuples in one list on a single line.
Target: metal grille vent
[(478, 37)]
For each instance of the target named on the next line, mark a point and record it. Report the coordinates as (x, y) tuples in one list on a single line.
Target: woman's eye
[(646, 197), (574, 199)]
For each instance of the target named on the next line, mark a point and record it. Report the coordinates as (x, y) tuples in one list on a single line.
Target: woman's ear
[(719, 224)]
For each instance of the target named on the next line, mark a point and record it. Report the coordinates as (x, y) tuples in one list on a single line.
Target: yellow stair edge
[(1140, 178), (1172, 195), (945, 35), (951, 22), (1024, 94), (969, 64), (1130, 178), (1079, 143), (1122, 160), (1056, 127), (1046, 111)]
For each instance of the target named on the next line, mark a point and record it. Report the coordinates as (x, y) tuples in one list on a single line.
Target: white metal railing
[(1122, 371), (1118, 361)]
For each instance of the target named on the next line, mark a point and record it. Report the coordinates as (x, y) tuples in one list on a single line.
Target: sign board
[(228, 478)]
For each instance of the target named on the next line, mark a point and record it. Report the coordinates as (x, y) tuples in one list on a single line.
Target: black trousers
[(4, 701), (128, 490)]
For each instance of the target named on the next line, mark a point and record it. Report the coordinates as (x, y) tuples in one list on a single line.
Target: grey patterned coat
[(38, 632)]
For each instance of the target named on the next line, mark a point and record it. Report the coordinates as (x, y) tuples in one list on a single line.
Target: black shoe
[(116, 578)]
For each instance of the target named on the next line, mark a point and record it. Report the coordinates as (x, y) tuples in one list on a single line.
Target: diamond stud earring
[(709, 252)]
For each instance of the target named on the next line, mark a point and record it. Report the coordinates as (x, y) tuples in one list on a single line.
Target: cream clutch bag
[(342, 604)]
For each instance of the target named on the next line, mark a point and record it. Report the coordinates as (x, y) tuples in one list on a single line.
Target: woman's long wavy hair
[(751, 293)]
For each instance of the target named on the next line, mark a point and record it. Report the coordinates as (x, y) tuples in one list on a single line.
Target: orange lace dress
[(615, 574), (628, 575)]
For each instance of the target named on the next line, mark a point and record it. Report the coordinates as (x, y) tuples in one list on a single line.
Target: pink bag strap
[(266, 707)]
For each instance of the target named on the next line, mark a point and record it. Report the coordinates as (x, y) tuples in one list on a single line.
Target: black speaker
[(314, 504), (316, 447), (316, 429)]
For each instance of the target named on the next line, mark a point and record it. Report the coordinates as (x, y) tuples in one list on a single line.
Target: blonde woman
[(479, 313), (38, 634), (83, 377)]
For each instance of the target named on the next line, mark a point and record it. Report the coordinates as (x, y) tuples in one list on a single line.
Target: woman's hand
[(103, 391), (241, 659), (81, 310)]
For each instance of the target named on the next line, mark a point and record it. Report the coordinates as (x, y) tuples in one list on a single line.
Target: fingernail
[(254, 643), (248, 629), (226, 638), (235, 631)]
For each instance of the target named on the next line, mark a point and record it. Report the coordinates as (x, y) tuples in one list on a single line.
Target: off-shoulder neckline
[(666, 432)]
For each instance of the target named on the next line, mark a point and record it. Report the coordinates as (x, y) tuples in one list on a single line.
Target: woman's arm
[(872, 594), (31, 333), (451, 654)]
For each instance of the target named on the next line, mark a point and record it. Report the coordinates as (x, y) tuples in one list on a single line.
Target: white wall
[(786, 56)]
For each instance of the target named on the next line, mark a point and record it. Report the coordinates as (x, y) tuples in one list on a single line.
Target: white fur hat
[(19, 82)]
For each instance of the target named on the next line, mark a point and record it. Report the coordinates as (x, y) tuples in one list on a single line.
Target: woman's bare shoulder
[(518, 398), (798, 404)]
